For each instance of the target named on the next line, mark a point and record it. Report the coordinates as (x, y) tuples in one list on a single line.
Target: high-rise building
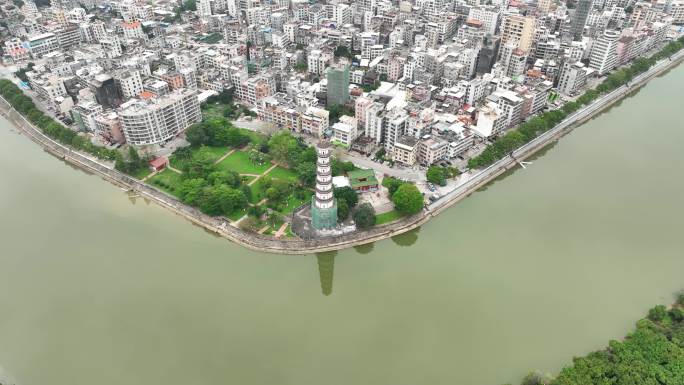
[(579, 19), (157, 119), (604, 52), (518, 29), (486, 56), (338, 84), (323, 203)]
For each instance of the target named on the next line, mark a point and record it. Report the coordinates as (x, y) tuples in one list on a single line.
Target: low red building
[(158, 164)]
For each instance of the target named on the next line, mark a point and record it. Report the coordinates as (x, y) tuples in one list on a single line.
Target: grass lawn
[(240, 163), (283, 173), (387, 217), (142, 173), (293, 203), (214, 152), (167, 181), (213, 110), (257, 193)]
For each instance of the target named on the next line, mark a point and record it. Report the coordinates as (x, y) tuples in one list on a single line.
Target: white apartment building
[(490, 121), (573, 77), (344, 133), (317, 61), (130, 83), (111, 46), (604, 56), (159, 119), (488, 17), (41, 44)]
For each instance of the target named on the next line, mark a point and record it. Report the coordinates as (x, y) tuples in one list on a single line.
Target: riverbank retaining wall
[(269, 244)]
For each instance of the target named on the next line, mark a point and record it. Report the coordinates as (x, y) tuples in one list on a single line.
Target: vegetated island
[(653, 354)]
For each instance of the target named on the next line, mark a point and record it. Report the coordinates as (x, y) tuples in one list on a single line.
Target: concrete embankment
[(298, 246)]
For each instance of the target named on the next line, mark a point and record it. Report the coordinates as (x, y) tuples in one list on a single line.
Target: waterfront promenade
[(298, 246)]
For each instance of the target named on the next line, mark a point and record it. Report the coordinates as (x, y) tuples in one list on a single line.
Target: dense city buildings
[(420, 82)]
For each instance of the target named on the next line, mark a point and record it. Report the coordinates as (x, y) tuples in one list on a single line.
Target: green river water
[(543, 264)]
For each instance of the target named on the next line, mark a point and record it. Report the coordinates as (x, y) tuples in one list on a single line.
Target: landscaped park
[(237, 180), (255, 181)]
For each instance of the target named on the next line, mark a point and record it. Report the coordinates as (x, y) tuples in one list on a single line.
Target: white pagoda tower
[(323, 204)]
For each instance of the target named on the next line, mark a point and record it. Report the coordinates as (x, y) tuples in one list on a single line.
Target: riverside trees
[(408, 199), (529, 130), (439, 175), (55, 130), (215, 132), (652, 354)]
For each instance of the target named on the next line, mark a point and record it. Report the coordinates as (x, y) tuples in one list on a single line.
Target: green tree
[(342, 51), (407, 199), (231, 136), (364, 216), (342, 210), (196, 135), (190, 5), (392, 184), (436, 175), (657, 313), (306, 173), (230, 198), (190, 191), (200, 165), (120, 164), (210, 201), (281, 145), (347, 194)]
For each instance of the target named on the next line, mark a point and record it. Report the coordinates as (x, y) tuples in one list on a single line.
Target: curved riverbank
[(298, 246), (108, 289)]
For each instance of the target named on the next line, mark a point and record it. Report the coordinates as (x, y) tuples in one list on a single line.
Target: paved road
[(413, 174)]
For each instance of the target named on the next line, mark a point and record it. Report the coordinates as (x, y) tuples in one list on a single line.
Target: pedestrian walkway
[(224, 156), (174, 169), (265, 172), (281, 230), (150, 175)]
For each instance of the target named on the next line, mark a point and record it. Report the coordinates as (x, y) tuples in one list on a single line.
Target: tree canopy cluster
[(216, 132), (653, 354), (529, 130), (292, 152), (439, 175), (50, 127), (347, 199), (364, 216), (343, 51), (213, 191), (132, 163), (338, 110), (406, 197)]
